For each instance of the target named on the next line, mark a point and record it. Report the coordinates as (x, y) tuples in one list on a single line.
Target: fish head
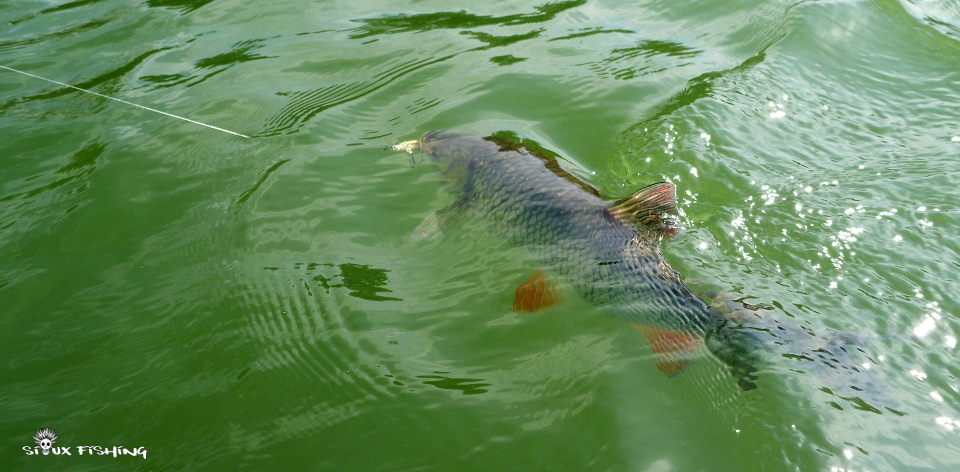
[(451, 152)]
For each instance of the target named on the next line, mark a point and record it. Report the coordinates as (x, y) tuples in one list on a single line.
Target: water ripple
[(944, 16), (619, 64), (456, 20), (185, 6), (239, 53), (106, 83), (303, 106), (33, 201), (303, 331)]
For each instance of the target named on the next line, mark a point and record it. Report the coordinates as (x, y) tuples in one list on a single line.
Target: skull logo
[(45, 438)]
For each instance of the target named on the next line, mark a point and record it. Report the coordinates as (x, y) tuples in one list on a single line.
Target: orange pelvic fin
[(536, 294), (673, 349)]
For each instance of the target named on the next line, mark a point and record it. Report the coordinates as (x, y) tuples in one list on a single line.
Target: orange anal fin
[(535, 294), (672, 348)]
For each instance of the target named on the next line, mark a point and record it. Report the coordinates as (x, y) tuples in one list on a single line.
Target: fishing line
[(125, 102)]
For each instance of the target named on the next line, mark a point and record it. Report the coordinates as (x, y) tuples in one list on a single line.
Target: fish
[(609, 253)]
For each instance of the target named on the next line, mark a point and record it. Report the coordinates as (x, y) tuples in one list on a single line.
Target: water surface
[(232, 303)]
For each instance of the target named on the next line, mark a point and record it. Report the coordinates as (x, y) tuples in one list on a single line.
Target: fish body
[(609, 252), (575, 233)]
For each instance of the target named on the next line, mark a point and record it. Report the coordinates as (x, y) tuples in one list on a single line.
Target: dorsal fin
[(654, 206)]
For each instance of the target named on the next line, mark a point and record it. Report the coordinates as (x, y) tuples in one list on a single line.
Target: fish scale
[(609, 263)]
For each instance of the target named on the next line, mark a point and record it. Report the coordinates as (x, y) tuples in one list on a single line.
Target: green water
[(257, 304)]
